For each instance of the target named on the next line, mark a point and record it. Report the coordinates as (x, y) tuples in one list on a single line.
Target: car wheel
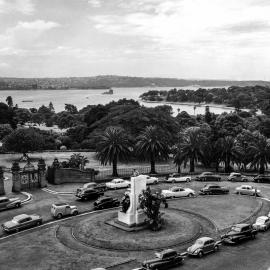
[(200, 254), (38, 223), (216, 248), (155, 182), (17, 230), (188, 180), (75, 213), (173, 181), (59, 216), (253, 236), (190, 195)]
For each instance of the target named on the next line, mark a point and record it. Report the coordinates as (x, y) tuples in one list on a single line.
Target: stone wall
[(68, 175)]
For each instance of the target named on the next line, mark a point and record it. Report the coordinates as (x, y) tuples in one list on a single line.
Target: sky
[(192, 39)]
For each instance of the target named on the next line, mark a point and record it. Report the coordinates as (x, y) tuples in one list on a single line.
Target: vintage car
[(238, 233), (178, 178), (7, 203), (117, 183), (150, 179), (203, 246), (208, 176), (213, 190), (94, 185), (106, 202), (164, 260), (262, 223), (261, 178), (21, 222), (59, 210), (175, 192), (88, 194), (248, 190), (237, 177)]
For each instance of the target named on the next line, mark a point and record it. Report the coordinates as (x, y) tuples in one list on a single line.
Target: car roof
[(167, 251), (246, 186), (3, 198), (205, 238), (104, 198), (19, 217), (263, 217), (60, 204)]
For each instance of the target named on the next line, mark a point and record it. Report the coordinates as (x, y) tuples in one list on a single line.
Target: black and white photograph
[(134, 134)]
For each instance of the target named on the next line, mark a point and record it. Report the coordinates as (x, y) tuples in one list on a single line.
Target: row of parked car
[(170, 258), (210, 176)]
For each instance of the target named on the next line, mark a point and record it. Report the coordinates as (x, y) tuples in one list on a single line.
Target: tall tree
[(51, 107), (260, 151), (190, 146), (114, 145), (9, 101), (152, 145), (227, 151)]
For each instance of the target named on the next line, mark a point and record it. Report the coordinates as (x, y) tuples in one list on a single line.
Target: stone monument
[(134, 215)]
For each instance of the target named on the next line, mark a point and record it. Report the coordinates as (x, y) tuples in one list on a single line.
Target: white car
[(262, 223), (176, 192), (177, 178), (247, 190), (118, 183), (150, 179)]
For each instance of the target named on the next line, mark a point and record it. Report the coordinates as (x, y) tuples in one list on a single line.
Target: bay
[(83, 97)]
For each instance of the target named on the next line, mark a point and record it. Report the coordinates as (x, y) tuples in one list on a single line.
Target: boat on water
[(109, 92), (27, 100)]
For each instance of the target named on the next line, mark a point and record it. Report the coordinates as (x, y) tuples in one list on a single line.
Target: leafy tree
[(94, 114), (113, 146), (190, 146), (150, 203), (227, 151), (24, 140), (71, 108), (152, 145), (51, 108), (5, 129), (260, 151), (22, 115), (77, 161), (7, 115), (9, 101)]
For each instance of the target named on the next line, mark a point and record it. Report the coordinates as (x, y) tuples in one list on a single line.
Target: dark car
[(208, 176), (88, 194), (237, 177), (21, 222), (213, 190), (164, 260), (238, 233), (7, 203), (106, 202), (262, 178)]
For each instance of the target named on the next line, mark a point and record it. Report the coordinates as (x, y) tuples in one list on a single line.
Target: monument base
[(131, 220), (120, 225)]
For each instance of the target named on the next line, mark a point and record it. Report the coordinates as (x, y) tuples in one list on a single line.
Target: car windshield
[(199, 242), (236, 229), (173, 189)]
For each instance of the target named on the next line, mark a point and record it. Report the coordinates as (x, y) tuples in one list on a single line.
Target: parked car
[(213, 190), (21, 222), (178, 178), (238, 233), (94, 185), (248, 190), (175, 192), (208, 176), (88, 194), (59, 210), (262, 178), (237, 177), (164, 260), (203, 246), (118, 183), (106, 202), (7, 203), (262, 223)]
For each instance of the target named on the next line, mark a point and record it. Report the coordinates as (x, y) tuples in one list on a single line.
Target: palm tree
[(260, 151), (152, 145), (9, 101), (227, 147), (191, 140), (77, 161), (113, 146)]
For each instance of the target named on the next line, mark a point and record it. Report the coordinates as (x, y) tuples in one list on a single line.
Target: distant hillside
[(101, 82)]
